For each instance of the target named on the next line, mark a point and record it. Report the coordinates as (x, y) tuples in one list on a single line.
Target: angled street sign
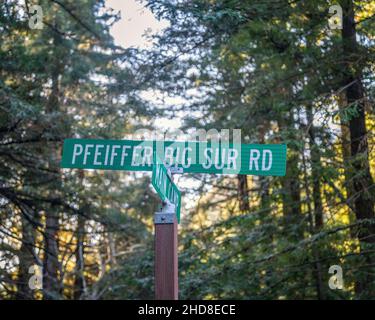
[(164, 185)]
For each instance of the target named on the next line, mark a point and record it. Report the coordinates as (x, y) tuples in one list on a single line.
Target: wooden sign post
[(166, 223), (166, 258)]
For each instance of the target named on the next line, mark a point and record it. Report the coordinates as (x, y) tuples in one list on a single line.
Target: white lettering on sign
[(124, 154), (147, 156), (161, 179), (218, 160), (114, 153), (269, 166), (76, 152), (168, 156), (106, 155), (255, 157), (232, 157), (208, 163), (221, 158), (87, 152), (136, 156), (186, 161), (97, 154), (211, 158)]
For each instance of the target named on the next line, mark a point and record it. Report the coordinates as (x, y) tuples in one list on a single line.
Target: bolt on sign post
[(162, 158)]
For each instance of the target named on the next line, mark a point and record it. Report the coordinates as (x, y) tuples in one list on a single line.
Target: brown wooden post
[(166, 259)]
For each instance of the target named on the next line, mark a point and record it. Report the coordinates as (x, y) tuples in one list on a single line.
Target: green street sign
[(189, 156), (164, 185)]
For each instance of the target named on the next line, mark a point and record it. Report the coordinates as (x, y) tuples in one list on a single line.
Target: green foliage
[(273, 69)]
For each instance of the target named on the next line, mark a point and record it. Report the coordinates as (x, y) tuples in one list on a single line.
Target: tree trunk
[(263, 180), (51, 266), (315, 172), (291, 196), (27, 259), (317, 222), (345, 147), (80, 281), (360, 174), (243, 193)]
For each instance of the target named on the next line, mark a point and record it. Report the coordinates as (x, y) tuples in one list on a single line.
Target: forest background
[(278, 70)]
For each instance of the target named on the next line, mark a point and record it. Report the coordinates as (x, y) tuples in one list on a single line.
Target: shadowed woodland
[(274, 69)]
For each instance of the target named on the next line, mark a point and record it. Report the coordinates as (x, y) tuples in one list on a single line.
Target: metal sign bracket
[(163, 218), (175, 170), (166, 215)]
